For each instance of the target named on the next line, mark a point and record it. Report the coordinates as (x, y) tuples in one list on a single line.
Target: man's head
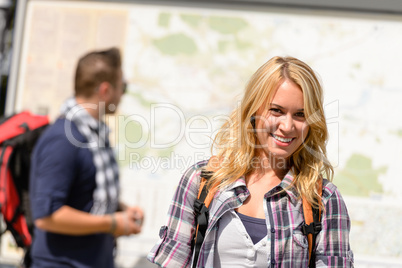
[(99, 77)]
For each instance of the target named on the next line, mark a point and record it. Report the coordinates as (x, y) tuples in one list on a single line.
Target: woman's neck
[(264, 164)]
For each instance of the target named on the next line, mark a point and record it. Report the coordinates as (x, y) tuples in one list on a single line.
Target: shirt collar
[(285, 187), (238, 187), (238, 183), (95, 125)]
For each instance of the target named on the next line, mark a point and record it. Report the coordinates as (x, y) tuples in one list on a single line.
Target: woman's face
[(281, 125)]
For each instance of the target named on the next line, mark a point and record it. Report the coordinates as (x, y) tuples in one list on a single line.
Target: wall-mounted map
[(186, 68)]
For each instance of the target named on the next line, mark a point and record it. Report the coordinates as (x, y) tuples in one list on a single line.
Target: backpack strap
[(19, 123), (201, 212), (312, 225), (10, 201)]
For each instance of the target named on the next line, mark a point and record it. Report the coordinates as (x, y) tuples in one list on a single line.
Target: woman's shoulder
[(192, 176), (330, 191), (195, 168), (200, 165)]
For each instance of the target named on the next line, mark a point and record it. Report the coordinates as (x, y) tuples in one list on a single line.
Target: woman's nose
[(286, 123)]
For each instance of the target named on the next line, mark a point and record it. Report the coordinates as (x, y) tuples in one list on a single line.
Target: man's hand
[(127, 222)]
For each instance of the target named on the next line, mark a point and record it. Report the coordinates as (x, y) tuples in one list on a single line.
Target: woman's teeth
[(282, 139)]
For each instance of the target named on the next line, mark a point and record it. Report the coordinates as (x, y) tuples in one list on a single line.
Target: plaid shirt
[(288, 247)]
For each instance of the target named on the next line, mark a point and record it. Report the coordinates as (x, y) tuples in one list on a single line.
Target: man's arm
[(69, 221), (53, 173)]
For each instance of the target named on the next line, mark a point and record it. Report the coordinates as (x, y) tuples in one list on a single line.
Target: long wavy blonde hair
[(235, 141)]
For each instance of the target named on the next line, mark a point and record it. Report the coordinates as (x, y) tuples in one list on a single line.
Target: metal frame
[(15, 61)]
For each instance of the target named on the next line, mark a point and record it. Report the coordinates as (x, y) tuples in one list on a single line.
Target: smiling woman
[(269, 154), (284, 100), (281, 126)]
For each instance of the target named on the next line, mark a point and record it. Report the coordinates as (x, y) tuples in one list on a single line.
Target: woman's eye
[(275, 111), (300, 114)]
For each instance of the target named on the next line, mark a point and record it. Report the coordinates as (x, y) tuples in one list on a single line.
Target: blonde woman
[(269, 154)]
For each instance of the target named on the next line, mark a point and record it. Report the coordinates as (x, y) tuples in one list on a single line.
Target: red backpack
[(18, 135)]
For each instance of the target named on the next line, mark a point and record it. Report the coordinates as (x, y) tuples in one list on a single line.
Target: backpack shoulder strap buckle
[(312, 228)]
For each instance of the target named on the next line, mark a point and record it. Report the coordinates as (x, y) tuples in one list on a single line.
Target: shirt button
[(272, 230), (250, 255)]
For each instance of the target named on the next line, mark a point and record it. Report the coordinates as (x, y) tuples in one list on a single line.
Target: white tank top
[(234, 247)]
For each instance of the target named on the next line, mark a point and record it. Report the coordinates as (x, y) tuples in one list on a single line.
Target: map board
[(186, 68)]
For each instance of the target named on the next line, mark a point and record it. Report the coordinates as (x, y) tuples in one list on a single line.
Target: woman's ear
[(252, 121)]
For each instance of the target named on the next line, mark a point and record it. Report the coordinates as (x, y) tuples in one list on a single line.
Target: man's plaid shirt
[(287, 246)]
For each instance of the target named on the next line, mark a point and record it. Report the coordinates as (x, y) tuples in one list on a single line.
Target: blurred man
[(74, 186)]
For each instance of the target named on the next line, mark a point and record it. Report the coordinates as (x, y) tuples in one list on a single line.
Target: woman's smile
[(282, 141)]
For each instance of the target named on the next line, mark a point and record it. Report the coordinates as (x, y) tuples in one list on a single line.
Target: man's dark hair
[(94, 68)]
